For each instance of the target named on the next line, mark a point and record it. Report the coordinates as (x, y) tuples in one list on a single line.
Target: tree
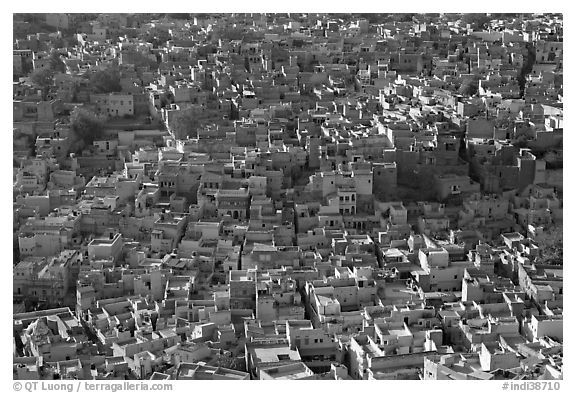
[(106, 81), (179, 16), (59, 43), (470, 86), (139, 60), (231, 363), (480, 20), (15, 251), (185, 124), (44, 79), (405, 17), (72, 41), (526, 67), (551, 247), (56, 63), (85, 127)]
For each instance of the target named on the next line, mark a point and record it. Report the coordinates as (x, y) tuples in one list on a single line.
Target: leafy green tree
[(106, 81)]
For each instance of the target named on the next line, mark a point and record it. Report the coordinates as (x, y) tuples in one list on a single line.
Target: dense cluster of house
[(291, 196)]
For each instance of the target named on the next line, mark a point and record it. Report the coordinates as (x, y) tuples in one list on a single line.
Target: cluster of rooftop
[(300, 196)]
